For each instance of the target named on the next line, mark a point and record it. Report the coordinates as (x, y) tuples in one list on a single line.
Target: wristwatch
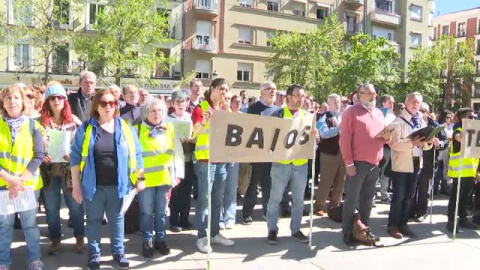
[(141, 178)]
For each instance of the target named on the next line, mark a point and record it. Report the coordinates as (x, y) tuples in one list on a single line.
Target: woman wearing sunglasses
[(56, 117), (106, 162), (21, 153)]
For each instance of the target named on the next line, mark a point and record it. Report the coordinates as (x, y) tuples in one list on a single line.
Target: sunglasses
[(30, 96), (104, 103), (52, 98)]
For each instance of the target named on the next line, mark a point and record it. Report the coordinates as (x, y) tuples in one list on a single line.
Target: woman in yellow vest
[(201, 121), (157, 140), (106, 160), (21, 153), (469, 172)]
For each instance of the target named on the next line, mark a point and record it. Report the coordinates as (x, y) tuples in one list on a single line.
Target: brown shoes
[(394, 231), (54, 247), (79, 246), (405, 230), (320, 213)]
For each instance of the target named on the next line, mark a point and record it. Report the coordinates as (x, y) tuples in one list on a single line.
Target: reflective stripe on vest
[(202, 146), (157, 155), (14, 160), (127, 133), (468, 168), (297, 162)]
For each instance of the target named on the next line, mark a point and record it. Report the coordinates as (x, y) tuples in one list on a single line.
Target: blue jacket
[(89, 181)]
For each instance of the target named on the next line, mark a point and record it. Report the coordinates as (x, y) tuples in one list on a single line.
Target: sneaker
[(147, 249), (272, 238), (386, 200), (162, 247), (229, 226), (222, 226), (36, 265), (4, 267), (222, 241), (202, 245), (301, 237), (121, 261), (94, 261), (247, 221), (464, 223), (420, 219)]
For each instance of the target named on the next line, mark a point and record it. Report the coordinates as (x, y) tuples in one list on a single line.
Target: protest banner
[(254, 138)]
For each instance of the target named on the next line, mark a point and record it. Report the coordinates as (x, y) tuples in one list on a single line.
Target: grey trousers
[(359, 192)]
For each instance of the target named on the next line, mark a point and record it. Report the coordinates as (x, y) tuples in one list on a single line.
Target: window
[(270, 35), (299, 9), (60, 60), (94, 10), (61, 13), (477, 66), (457, 89), (246, 3), (445, 30), (478, 47), (384, 5), (322, 13), (430, 18), (434, 33), (476, 91), (20, 12), (22, 56), (245, 35), (273, 5), (461, 30), (351, 25), (416, 12), (203, 35), (244, 72), (379, 32), (162, 70), (203, 67), (478, 27), (416, 40)]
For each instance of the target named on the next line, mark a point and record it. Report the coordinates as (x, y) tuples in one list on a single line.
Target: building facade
[(463, 25)]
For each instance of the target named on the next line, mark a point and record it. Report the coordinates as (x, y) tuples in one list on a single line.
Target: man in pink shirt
[(362, 152)]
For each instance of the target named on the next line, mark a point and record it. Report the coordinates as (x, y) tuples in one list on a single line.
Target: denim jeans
[(281, 176), (53, 199), (153, 212), (105, 200), (229, 209), (404, 186), (385, 180), (30, 231), (181, 197), (218, 175)]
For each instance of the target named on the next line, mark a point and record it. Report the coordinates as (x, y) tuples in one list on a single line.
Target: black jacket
[(80, 105), (428, 155)]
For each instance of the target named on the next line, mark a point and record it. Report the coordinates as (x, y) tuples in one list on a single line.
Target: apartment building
[(22, 60), (463, 25)]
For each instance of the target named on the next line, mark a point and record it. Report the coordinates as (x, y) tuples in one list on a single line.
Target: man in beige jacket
[(406, 164)]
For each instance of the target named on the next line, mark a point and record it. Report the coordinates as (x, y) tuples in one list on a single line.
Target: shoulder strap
[(139, 129), (410, 124), (32, 126)]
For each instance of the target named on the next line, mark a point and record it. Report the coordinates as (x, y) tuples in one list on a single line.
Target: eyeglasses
[(30, 96), (103, 103), (471, 117), (52, 98)]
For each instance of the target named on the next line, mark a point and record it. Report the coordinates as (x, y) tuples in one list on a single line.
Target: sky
[(448, 6)]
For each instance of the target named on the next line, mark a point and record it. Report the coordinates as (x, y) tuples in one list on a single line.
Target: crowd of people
[(121, 140)]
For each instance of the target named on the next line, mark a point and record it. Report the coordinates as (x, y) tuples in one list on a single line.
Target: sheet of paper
[(127, 201), (24, 201), (183, 129), (58, 145)]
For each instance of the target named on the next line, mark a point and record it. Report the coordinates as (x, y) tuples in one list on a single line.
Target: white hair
[(266, 84), (364, 86), (412, 95), (148, 105), (331, 97), (115, 87), (425, 107), (87, 73)]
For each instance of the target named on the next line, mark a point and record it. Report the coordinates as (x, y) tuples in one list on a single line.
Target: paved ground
[(434, 249)]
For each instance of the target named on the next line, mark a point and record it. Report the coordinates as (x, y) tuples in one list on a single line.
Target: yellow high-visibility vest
[(14, 159), (469, 165), (297, 162), (203, 141), (127, 132), (157, 155)]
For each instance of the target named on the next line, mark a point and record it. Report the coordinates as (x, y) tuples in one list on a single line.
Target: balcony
[(461, 34), (204, 45), (385, 17), (207, 7), (355, 3), (354, 29)]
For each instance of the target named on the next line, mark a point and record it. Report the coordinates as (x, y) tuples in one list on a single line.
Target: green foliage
[(126, 38)]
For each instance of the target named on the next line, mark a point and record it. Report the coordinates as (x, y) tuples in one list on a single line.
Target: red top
[(357, 138), (197, 113)]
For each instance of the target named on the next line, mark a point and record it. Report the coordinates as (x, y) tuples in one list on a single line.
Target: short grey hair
[(412, 95), (266, 84), (128, 86), (333, 96), (425, 107), (115, 87), (364, 86), (148, 105), (87, 73)]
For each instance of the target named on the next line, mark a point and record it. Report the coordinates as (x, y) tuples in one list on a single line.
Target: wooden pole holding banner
[(458, 198), (209, 207), (312, 186), (432, 182)]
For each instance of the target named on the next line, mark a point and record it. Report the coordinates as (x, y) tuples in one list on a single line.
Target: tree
[(46, 17), (309, 59), (126, 38), (368, 61)]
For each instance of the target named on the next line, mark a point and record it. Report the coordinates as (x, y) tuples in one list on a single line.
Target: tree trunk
[(47, 65), (118, 72), (467, 93)]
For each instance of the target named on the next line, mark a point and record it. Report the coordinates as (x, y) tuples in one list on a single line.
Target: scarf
[(15, 124), (156, 129)]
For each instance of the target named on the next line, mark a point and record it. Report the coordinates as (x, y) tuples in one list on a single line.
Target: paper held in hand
[(127, 201), (24, 201), (58, 145), (389, 128)]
